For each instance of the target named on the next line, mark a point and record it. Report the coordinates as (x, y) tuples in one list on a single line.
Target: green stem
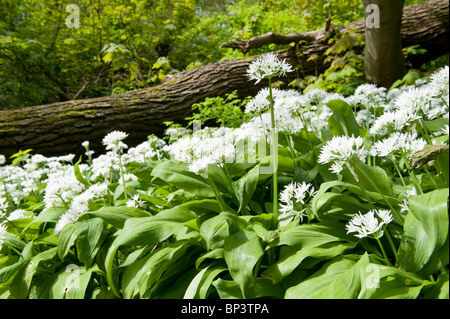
[(223, 206), (398, 171), (274, 154), (383, 252), (123, 176), (391, 243)]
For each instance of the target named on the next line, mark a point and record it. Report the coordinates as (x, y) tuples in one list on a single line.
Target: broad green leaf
[(88, 235), (242, 251), (337, 279), (200, 285), (48, 215), (386, 282), (142, 274), (287, 264), (371, 178), (343, 121), (260, 288), (66, 239), (71, 283), (227, 289), (178, 174), (117, 216), (154, 229), (425, 231), (438, 289), (214, 254), (215, 230), (22, 281), (245, 187), (147, 231), (312, 235)]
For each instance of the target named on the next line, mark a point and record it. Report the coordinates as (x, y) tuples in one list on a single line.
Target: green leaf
[(70, 283), (178, 174), (142, 274), (117, 216), (154, 229), (245, 187), (385, 282), (78, 174), (22, 281), (288, 263), (66, 239), (371, 178), (312, 235), (425, 232), (147, 231), (337, 279), (343, 121), (200, 285), (215, 230), (242, 251), (88, 236)]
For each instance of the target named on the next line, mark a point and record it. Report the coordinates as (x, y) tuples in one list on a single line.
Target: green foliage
[(228, 112), (346, 66)]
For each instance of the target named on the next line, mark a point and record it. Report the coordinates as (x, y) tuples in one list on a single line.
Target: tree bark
[(384, 61), (60, 128)]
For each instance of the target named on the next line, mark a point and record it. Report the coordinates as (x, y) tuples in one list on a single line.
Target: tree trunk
[(384, 61), (60, 128)]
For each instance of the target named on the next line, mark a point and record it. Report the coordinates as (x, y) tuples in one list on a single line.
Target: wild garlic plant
[(178, 219), (267, 67)]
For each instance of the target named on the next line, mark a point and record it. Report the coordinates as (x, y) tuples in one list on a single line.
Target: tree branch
[(271, 37)]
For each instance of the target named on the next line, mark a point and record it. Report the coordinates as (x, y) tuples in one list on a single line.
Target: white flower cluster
[(403, 144), (404, 106), (293, 200), (368, 225), (268, 66), (113, 141), (80, 205), (341, 150), (2, 234), (62, 188)]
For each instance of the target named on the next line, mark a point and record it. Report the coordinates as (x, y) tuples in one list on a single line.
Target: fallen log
[(60, 128)]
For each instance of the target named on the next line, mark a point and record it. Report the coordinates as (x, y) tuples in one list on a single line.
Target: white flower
[(3, 203), (316, 96), (200, 166), (268, 66), (17, 214), (440, 79), (2, 159), (390, 122), (135, 202), (370, 94), (404, 144), (368, 225), (404, 206), (80, 205), (385, 215), (113, 140), (293, 200), (340, 150), (2, 234)]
